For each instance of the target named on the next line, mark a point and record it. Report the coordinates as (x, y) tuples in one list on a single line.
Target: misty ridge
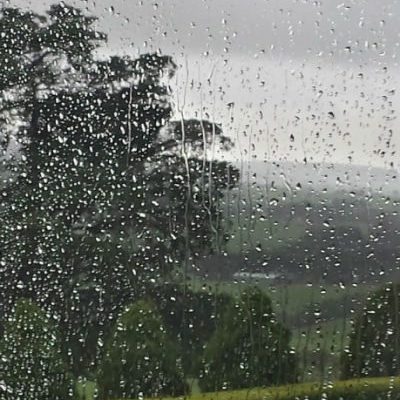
[(297, 222), (322, 177)]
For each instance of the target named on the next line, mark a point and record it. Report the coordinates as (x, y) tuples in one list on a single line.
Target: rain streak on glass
[(199, 196)]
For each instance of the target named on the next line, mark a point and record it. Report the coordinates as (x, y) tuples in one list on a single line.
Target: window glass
[(199, 196)]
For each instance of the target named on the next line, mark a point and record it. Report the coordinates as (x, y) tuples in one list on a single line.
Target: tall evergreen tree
[(109, 194)]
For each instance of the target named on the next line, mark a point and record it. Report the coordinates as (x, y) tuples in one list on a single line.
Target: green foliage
[(32, 367), (109, 194), (249, 347), (191, 317), (374, 348), (140, 358), (360, 389)]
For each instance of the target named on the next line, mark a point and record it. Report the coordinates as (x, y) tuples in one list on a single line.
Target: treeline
[(173, 335), (106, 195), (156, 344)]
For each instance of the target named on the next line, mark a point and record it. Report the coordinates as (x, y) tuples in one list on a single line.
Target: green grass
[(332, 334), (247, 234), (356, 389), (85, 390)]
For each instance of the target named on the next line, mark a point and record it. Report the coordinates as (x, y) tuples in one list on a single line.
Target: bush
[(249, 347), (191, 317), (374, 348), (32, 367), (140, 358)]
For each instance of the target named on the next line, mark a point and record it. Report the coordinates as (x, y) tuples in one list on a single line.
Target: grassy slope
[(86, 390), (265, 232), (355, 389), (366, 389)]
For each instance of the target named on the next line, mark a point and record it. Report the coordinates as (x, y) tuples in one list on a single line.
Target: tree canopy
[(108, 193), (141, 358), (249, 348)]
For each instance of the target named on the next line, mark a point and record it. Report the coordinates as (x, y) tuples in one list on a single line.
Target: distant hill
[(307, 222), (322, 176)]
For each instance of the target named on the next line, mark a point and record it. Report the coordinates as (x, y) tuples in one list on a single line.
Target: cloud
[(284, 65), (354, 30)]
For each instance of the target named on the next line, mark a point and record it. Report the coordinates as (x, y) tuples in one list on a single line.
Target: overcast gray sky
[(314, 79)]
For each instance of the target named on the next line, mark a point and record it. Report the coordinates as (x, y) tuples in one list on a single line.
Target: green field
[(86, 390), (356, 389), (247, 234), (319, 347)]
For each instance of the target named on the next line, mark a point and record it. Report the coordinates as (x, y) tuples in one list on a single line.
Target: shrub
[(374, 348), (140, 358), (191, 317), (32, 367), (249, 347)]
